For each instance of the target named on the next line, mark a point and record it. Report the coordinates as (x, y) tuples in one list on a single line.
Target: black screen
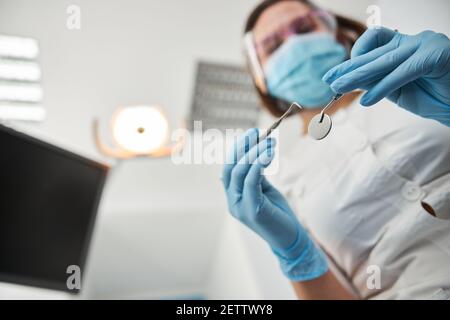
[(48, 204)]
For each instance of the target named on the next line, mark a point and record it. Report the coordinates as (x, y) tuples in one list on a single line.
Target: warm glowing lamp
[(137, 131)]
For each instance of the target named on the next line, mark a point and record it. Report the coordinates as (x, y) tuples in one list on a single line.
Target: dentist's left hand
[(257, 204), (411, 71)]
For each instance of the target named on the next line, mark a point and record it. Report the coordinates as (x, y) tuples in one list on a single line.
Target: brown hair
[(348, 30)]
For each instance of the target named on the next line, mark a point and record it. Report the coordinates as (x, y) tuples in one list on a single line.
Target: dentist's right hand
[(257, 204)]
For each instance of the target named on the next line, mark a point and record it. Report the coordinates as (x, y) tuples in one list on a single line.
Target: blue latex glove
[(411, 71), (258, 205)]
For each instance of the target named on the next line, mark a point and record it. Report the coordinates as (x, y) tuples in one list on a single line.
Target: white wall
[(231, 275), (412, 17)]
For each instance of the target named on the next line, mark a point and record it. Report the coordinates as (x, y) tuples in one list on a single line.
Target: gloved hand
[(411, 71), (258, 205)]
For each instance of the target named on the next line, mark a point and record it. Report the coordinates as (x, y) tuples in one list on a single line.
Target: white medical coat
[(360, 191)]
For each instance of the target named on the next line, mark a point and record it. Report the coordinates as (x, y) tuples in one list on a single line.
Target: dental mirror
[(320, 125)]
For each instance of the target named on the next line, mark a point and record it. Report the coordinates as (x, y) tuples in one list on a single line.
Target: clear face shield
[(256, 50)]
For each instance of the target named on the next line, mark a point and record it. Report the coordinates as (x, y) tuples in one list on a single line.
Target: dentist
[(374, 193)]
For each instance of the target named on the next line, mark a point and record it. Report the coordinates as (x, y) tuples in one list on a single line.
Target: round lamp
[(139, 129)]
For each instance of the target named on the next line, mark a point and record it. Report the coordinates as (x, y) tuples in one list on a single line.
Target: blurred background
[(163, 230)]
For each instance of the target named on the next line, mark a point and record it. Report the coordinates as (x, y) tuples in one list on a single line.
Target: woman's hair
[(348, 31)]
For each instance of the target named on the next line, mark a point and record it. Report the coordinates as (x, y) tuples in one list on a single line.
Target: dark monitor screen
[(48, 203)]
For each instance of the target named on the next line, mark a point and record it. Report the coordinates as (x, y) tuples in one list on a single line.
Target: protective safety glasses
[(315, 21)]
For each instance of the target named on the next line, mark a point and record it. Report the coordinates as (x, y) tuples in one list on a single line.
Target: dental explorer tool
[(278, 122)]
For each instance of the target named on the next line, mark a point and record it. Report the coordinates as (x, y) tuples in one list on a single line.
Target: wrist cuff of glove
[(310, 264)]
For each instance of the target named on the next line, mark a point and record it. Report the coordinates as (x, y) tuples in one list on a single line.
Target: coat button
[(411, 192)]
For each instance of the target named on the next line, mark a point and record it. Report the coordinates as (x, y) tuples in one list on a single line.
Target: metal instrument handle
[(278, 122)]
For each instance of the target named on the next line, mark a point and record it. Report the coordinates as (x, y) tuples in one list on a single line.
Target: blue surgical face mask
[(294, 71)]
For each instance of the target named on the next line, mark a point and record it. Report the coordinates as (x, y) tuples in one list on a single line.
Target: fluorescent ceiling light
[(22, 112), (19, 70), (20, 92), (21, 48)]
